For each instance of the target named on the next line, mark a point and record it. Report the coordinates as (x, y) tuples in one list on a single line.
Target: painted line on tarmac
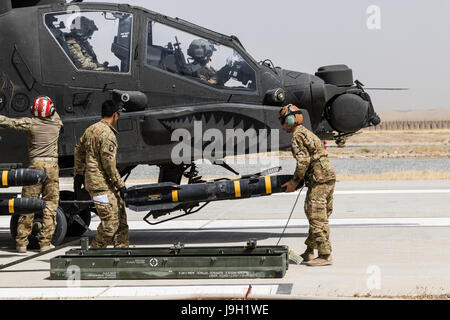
[(272, 223), (299, 223), (280, 223), (140, 291), (395, 191)]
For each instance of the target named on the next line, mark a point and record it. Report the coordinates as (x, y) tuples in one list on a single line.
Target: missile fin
[(155, 188), (156, 207)]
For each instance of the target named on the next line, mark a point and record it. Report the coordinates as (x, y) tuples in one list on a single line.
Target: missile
[(21, 206), (21, 177), (163, 198)]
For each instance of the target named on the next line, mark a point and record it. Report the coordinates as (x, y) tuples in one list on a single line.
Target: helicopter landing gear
[(78, 214), (171, 173), (340, 142)]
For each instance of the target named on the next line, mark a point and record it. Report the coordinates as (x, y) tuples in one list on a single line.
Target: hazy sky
[(411, 49)]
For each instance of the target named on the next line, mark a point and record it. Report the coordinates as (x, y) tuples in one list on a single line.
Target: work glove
[(300, 185), (123, 192), (78, 182)]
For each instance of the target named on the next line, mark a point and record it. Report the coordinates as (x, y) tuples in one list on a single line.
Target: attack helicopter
[(167, 74)]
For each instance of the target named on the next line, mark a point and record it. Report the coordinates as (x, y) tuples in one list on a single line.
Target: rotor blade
[(387, 89)]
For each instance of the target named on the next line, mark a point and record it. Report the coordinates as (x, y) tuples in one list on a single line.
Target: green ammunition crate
[(172, 263)]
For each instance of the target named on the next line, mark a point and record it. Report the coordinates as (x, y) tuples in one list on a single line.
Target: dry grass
[(430, 151), (420, 293), (395, 144), (407, 297)]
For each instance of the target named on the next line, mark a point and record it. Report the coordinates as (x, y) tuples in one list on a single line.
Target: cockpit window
[(95, 41), (199, 59)]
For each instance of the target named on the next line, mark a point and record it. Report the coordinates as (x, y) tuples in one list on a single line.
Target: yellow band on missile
[(11, 206), (268, 185), (175, 195), (5, 178), (237, 189)]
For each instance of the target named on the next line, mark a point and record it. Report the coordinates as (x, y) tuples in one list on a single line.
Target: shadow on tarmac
[(167, 237), (203, 237)]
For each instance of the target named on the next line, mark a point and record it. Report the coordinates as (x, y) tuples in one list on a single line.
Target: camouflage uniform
[(95, 158), (314, 167), (42, 140), (207, 74), (211, 76), (83, 55)]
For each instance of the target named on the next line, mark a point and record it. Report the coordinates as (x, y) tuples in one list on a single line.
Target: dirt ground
[(421, 144), (394, 144)]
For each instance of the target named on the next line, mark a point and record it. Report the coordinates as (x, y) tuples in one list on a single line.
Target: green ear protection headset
[(289, 117)]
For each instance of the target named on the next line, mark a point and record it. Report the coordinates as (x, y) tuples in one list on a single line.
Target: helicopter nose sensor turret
[(348, 113), (350, 109)]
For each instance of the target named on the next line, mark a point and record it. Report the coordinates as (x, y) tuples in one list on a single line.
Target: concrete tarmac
[(389, 238)]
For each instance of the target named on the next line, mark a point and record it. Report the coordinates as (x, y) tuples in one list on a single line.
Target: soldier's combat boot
[(21, 249), (47, 247), (308, 255), (321, 260)]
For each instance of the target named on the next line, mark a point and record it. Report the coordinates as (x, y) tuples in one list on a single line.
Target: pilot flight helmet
[(291, 115), (83, 27), (200, 50), (43, 107)]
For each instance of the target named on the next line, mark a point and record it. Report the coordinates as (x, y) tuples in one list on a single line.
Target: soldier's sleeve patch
[(111, 148)]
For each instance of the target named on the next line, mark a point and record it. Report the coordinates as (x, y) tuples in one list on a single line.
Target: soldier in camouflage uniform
[(95, 166), (315, 170), (42, 139), (80, 50), (201, 52)]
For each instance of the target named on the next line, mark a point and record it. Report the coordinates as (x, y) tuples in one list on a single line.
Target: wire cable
[(290, 216)]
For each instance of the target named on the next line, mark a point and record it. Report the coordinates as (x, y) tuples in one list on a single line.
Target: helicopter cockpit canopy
[(95, 41), (196, 58)]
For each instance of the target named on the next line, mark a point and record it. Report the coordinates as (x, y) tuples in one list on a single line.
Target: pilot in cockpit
[(80, 50), (201, 52)]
